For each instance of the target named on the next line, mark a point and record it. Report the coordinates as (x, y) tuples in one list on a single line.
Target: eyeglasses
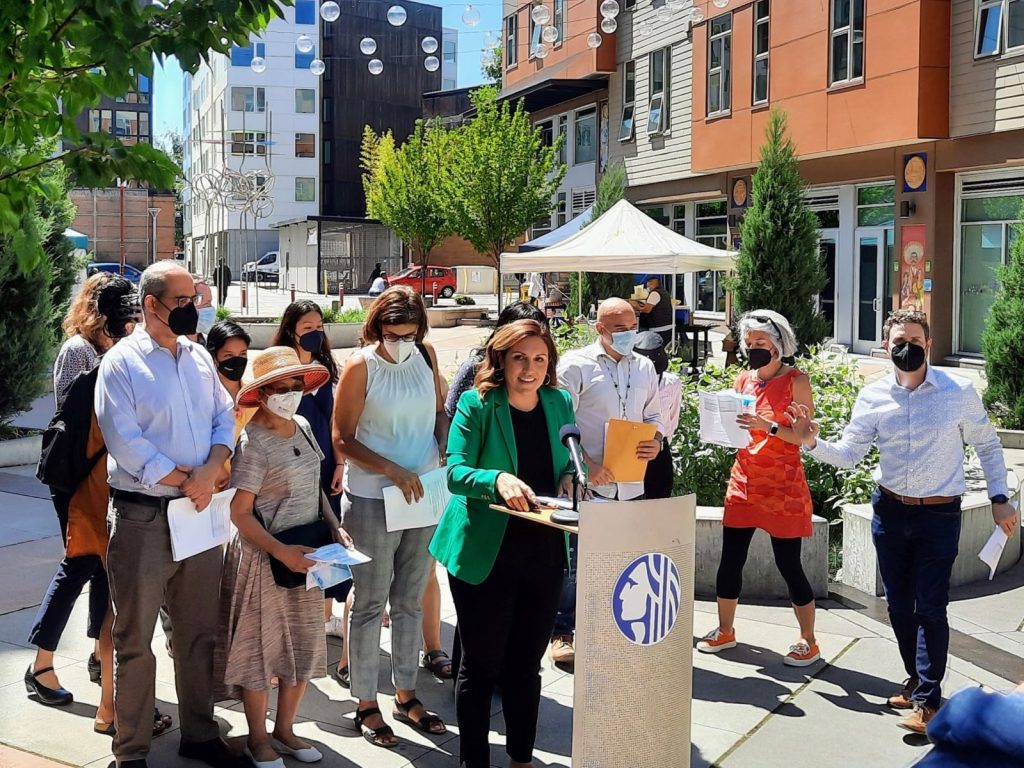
[(393, 338), (765, 320), (184, 301)]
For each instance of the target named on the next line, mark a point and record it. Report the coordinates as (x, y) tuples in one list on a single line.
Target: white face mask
[(399, 351), (284, 404)]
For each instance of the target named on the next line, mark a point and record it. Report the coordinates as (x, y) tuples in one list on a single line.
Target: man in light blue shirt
[(169, 429), (921, 418)]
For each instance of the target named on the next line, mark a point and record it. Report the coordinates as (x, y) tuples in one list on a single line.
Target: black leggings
[(736, 542)]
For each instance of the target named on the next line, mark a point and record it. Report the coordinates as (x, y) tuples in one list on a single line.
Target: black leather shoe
[(51, 697), (95, 670), (214, 753)]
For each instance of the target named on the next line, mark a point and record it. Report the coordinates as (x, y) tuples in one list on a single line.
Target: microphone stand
[(566, 516)]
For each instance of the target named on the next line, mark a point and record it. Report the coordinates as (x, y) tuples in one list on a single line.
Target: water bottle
[(749, 404)]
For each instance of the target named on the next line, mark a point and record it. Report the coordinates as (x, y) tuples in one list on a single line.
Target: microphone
[(569, 435)]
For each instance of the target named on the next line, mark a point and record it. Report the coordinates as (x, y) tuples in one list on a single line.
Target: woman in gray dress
[(269, 631)]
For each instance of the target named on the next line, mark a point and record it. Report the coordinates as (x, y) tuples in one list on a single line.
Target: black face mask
[(908, 356), (233, 368), (758, 358), (312, 341), (183, 321)]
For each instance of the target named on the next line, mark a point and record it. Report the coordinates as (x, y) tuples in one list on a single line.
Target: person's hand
[(341, 537), (750, 421), (1005, 517), (199, 486), (294, 556), (223, 478), (648, 449), (800, 422), (339, 473), (407, 482), (517, 494), (565, 486), (600, 475)]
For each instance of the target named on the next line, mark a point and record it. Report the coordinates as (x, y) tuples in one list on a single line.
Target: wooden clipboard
[(540, 515), (621, 439)]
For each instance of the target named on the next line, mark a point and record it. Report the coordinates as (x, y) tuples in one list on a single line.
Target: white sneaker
[(304, 755), (335, 626)]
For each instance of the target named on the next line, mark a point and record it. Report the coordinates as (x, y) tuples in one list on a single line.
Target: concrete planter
[(1011, 438), (340, 335), (20, 450), (449, 317)]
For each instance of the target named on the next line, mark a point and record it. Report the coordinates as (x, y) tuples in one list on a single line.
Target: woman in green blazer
[(505, 572)]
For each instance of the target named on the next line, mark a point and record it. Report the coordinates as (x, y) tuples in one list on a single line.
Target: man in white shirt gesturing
[(921, 418)]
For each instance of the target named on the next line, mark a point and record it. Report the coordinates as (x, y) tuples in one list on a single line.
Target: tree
[(780, 266), (1002, 341), (491, 66), (173, 145), (57, 214), (406, 186), (502, 178), (59, 57)]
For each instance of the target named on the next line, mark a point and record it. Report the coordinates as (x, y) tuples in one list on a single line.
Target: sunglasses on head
[(764, 319)]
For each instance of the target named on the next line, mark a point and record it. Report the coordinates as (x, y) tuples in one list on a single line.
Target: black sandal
[(343, 676), (373, 735), (425, 724), (437, 661)]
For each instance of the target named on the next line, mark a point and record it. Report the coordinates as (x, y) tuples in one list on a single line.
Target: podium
[(634, 632)]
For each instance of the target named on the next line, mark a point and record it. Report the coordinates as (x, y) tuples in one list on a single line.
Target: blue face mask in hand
[(623, 342)]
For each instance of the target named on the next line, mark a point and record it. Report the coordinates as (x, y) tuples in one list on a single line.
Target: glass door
[(869, 305), (827, 298)]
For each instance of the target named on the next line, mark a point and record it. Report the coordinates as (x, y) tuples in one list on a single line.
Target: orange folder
[(621, 439)]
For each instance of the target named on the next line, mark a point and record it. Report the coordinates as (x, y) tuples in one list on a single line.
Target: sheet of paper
[(993, 550), (555, 502), (718, 412), (400, 515), (194, 532), (336, 553)]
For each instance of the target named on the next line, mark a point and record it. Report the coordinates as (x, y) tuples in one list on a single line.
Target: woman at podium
[(505, 571)]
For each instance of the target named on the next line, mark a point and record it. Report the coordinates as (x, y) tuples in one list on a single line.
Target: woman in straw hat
[(269, 631)]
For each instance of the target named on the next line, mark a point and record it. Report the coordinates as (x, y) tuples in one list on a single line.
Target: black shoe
[(130, 764), (213, 752), (51, 697), (95, 670)]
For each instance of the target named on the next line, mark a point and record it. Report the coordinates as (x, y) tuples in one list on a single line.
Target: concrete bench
[(761, 579), (449, 316), (860, 562)]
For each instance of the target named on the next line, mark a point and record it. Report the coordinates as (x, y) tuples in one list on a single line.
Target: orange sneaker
[(716, 640), (802, 654)]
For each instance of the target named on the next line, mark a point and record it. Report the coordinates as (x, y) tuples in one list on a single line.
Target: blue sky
[(167, 79)]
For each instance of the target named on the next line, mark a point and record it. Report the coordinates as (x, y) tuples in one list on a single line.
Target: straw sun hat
[(278, 363)]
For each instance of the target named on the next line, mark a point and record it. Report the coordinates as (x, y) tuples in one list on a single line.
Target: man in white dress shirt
[(921, 418), (606, 381)]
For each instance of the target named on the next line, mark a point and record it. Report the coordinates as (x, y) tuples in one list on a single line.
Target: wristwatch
[(999, 498), (773, 429)]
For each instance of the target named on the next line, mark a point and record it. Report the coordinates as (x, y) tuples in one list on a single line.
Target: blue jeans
[(565, 621), (916, 547)]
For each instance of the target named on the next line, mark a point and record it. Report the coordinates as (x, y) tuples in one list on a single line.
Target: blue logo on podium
[(645, 603)]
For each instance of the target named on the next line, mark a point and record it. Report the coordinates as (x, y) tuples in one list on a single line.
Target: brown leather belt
[(914, 501)]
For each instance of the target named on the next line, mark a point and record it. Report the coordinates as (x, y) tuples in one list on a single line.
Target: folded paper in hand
[(193, 532), (718, 412), (326, 575), (993, 550), (401, 515)]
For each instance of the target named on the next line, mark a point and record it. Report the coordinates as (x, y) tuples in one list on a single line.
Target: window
[(585, 134), (1000, 26), (101, 121), (847, 55), (627, 126), (558, 20), (679, 219), (547, 134), (561, 208), (629, 5), (563, 123), (242, 57), (511, 40), (305, 100), (448, 51), (720, 65), (248, 143), (876, 205), (305, 145), (760, 95), (712, 225), (657, 110), (657, 212), (305, 11), (303, 60), (327, 112), (305, 189), (535, 35), (327, 151), (246, 98), (126, 126), (582, 199)]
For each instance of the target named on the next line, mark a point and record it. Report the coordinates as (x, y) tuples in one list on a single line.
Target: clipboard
[(621, 439)]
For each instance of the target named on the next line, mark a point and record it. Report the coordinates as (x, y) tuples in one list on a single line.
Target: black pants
[(504, 625), (659, 475), (73, 573), (736, 543)]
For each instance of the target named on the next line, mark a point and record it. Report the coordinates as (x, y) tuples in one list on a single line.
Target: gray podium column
[(634, 634)]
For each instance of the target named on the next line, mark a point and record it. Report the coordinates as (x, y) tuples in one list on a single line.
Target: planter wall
[(1011, 438), (20, 450), (340, 335)]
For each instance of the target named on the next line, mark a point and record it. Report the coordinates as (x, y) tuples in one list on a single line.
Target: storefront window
[(657, 213), (876, 205), (712, 226)]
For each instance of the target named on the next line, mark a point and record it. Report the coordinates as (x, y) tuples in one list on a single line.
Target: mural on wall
[(912, 254)]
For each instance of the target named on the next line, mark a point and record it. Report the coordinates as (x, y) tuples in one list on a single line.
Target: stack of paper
[(718, 412), (193, 532), (400, 515)]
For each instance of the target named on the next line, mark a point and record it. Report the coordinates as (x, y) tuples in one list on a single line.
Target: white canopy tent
[(623, 240)]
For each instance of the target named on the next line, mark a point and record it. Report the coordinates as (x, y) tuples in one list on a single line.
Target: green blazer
[(481, 445)]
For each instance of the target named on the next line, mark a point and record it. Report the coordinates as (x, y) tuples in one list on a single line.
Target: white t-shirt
[(378, 285)]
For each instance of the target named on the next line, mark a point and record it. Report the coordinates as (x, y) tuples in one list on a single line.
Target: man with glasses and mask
[(921, 418), (606, 381), (169, 427)]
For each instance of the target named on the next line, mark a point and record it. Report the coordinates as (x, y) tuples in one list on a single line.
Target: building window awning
[(548, 93)]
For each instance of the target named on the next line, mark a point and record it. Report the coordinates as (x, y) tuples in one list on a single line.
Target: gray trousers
[(398, 572), (143, 576)]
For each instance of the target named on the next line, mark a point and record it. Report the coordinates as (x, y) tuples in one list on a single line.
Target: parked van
[(268, 267)]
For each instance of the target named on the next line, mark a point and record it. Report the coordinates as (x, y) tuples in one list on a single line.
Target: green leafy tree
[(59, 57), (1002, 341), (502, 178), (57, 214), (780, 266), (406, 186), (491, 67), (173, 144)]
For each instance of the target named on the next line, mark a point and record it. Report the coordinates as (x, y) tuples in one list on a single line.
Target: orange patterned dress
[(767, 488)]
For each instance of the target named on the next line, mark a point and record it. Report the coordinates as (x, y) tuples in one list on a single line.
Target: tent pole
[(579, 295), (672, 299)]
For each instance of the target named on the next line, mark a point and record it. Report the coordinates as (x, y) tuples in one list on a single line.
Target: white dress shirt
[(604, 389), (671, 391), (921, 435), (157, 411)]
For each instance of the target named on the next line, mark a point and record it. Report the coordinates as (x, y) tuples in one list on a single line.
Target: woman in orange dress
[(767, 488)]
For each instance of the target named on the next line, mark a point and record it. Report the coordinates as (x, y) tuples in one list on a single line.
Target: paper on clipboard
[(621, 439), (194, 532), (718, 412), (400, 515)]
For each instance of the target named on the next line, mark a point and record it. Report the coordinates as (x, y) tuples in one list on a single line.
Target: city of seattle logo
[(645, 602)]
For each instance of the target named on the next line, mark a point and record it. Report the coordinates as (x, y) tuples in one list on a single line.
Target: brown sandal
[(161, 723)]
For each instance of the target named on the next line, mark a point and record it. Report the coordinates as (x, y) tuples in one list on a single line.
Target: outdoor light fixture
[(907, 209)]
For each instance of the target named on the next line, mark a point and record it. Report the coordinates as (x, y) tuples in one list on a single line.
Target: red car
[(440, 280)]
